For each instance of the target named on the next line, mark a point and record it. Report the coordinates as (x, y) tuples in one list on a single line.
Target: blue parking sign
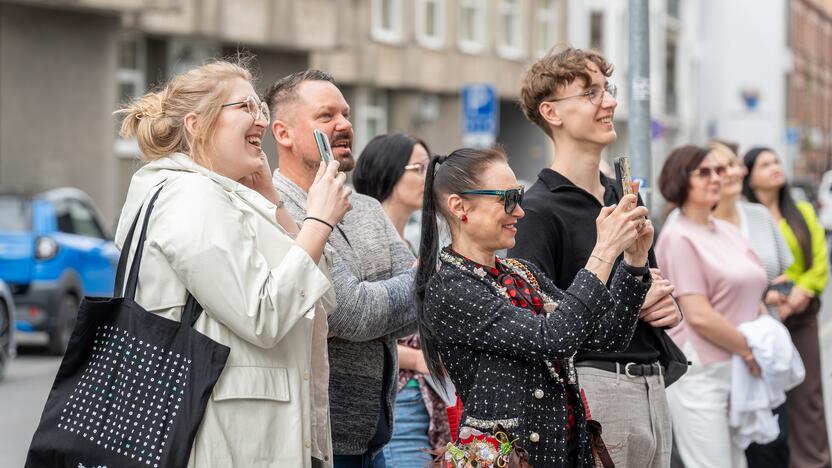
[(480, 115)]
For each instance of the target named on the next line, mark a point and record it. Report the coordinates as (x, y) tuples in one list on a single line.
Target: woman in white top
[(218, 231)]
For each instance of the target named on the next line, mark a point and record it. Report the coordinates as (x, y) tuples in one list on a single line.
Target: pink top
[(717, 262)]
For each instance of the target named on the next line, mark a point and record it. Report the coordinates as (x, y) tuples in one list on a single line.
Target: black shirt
[(558, 234)]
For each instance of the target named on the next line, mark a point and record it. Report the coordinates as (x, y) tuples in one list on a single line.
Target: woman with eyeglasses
[(800, 300), (499, 328), (719, 283), (392, 169), (219, 232)]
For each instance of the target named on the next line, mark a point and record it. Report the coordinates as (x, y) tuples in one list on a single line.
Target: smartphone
[(783, 288), (323, 146), (624, 175)]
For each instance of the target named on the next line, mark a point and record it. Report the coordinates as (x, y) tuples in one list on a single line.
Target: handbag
[(132, 387)]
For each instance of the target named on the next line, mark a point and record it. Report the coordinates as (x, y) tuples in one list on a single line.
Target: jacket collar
[(157, 171)]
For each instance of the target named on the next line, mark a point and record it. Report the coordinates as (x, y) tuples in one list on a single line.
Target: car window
[(15, 214), (83, 220), (63, 217)]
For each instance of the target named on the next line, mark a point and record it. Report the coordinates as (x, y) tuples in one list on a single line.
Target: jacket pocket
[(253, 382)]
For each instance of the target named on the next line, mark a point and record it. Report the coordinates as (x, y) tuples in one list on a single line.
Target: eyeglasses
[(511, 198), (595, 94), (706, 172), (255, 108), (418, 168)]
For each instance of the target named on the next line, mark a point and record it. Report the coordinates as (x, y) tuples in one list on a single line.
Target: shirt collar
[(555, 181)]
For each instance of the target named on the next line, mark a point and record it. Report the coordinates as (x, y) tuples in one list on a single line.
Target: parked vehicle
[(825, 201), (54, 250), (7, 347)]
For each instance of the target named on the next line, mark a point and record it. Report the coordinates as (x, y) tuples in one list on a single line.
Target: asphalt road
[(22, 395), (30, 376)]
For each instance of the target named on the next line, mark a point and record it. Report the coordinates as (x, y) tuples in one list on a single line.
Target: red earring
[(464, 218)]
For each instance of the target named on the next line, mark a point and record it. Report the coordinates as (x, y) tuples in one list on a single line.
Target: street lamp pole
[(639, 95)]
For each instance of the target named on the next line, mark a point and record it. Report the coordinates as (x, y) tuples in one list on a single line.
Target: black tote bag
[(132, 388)]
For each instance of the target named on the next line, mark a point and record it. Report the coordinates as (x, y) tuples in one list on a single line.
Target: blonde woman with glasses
[(219, 231)]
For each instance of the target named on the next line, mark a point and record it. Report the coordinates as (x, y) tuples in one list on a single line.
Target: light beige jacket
[(262, 296)]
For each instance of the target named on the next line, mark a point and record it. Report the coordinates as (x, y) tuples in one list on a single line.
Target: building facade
[(65, 66), (809, 87)]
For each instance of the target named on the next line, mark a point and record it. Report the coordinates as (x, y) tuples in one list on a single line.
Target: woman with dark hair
[(719, 283), (766, 184), (499, 328), (391, 169)]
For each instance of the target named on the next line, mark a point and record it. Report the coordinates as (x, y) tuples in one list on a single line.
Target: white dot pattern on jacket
[(128, 396)]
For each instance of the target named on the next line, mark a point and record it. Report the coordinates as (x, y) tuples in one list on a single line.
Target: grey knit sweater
[(373, 275)]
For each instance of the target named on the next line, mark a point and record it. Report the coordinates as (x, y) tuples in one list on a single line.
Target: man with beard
[(372, 269)]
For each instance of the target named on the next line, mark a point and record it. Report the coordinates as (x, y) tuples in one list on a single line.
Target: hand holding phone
[(324, 149)]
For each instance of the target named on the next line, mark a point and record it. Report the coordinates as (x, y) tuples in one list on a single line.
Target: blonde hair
[(157, 119)]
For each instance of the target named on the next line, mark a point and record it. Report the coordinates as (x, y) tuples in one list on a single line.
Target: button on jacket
[(262, 296), (494, 352)]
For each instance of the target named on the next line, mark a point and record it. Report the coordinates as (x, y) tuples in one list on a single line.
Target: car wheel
[(59, 336), (5, 339)]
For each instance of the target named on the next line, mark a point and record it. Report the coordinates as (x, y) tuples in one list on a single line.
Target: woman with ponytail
[(805, 281), (499, 328), (219, 232)]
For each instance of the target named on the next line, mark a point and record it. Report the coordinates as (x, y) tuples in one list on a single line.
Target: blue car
[(54, 250)]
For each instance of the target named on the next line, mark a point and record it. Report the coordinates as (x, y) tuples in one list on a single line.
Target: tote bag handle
[(192, 309)]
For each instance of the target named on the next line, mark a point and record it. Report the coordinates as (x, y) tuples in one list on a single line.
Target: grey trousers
[(634, 416)]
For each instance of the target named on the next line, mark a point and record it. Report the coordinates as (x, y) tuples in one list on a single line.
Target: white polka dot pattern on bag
[(128, 396)]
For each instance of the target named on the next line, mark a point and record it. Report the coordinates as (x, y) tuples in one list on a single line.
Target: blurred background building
[(748, 71)]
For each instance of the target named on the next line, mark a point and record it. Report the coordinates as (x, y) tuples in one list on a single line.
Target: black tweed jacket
[(503, 360)]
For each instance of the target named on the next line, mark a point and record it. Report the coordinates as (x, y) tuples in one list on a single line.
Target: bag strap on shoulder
[(192, 309)]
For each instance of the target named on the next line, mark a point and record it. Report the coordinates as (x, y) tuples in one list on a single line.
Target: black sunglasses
[(511, 198)]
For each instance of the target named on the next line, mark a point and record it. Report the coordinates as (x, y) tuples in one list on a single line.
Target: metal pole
[(639, 96)]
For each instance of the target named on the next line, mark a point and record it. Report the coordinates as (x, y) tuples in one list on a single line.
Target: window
[(430, 23), (84, 221), (386, 17), (673, 8), (75, 217), (596, 30), (545, 18), (508, 29), (471, 26), (130, 83), (370, 115)]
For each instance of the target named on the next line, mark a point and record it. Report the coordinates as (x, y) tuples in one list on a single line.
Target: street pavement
[(30, 376)]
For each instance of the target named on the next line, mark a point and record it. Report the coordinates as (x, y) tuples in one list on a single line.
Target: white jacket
[(262, 296), (753, 398)]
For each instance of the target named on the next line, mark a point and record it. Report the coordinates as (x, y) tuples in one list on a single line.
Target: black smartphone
[(323, 146)]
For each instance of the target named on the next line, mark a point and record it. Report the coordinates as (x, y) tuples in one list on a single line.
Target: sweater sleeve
[(370, 309), (814, 279), (466, 312)]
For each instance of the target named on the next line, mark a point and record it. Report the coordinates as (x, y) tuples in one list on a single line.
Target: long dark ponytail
[(788, 208), (454, 173)]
